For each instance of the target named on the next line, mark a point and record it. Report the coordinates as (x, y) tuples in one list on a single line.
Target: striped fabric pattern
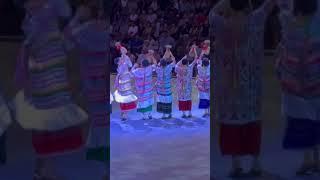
[(125, 84), (47, 61), (92, 45), (144, 86), (203, 82), (184, 77), (163, 85), (299, 66), (312, 83)]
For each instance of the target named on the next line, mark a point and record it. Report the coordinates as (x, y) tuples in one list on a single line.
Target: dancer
[(239, 51), (203, 85), (144, 87), (43, 103), (164, 92), (184, 72), (88, 32), (298, 70), (123, 85), (205, 50), (5, 121)]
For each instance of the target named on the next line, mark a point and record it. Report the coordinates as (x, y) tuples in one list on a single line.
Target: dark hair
[(205, 62), (239, 5), (184, 61), (145, 63), (305, 7), (163, 63)]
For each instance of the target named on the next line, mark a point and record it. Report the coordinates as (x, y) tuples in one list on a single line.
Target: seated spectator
[(133, 30), (152, 16), (135, 44), (134, 16)]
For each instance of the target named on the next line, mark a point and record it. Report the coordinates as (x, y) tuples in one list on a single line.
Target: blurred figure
[(88, 32), (44, 104), (298, 69), (239, 51)]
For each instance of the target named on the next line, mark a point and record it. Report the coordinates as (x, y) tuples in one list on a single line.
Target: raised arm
[(194, 62), (133, 69)]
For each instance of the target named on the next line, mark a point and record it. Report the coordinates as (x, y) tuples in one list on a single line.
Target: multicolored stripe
[(164, 91), (144, 86)]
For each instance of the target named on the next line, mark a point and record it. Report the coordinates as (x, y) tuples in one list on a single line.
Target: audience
[(142, 25)]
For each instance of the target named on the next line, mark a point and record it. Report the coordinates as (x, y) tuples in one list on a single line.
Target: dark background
[(12, 13)]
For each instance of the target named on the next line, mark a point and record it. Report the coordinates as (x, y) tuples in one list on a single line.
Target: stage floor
[(160, 149)]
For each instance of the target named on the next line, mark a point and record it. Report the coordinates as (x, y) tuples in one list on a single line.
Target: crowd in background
[(142, 25)]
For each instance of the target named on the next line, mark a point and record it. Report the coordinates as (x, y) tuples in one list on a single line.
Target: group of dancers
[(141, 94), (45, 102)]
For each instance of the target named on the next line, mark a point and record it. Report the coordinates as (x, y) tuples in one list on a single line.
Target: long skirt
[(204, 103), (301, 133), (128, 106), (145, 110), (185, 105), (240, 140), (48, 143), (165, 108), (55, 131)]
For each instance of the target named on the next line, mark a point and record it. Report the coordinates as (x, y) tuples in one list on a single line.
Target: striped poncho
[(47, 60), (164, 91), (144, 86), (46, 94)]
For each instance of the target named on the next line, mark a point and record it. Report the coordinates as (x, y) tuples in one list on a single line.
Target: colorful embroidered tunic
[(237, 67), (164, 90), (49, 86), (123, 84), (203, 81), (184, 81), (144, 88)]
